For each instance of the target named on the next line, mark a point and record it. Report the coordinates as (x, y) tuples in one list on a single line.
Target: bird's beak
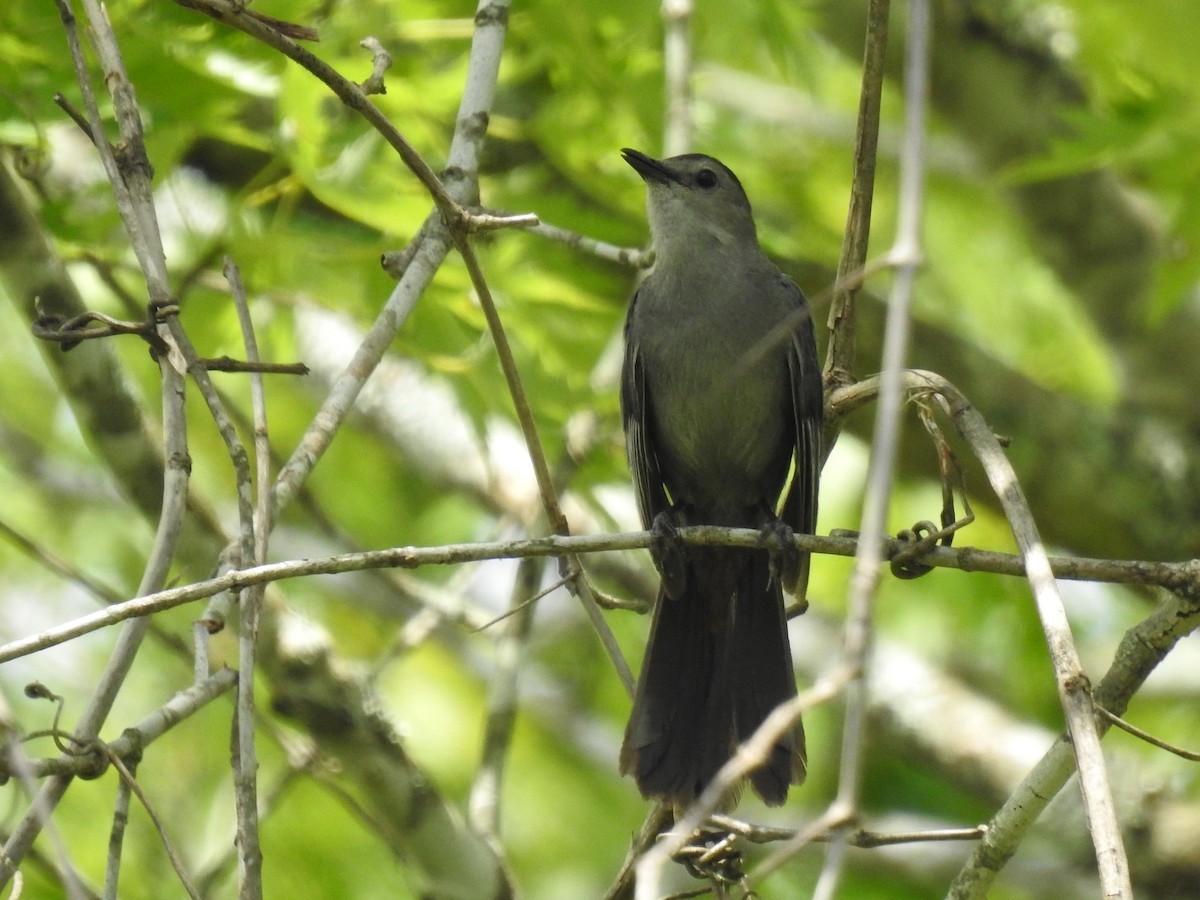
[(649, 168)]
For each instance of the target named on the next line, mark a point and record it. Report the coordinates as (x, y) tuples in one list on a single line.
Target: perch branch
[(1182, 577)]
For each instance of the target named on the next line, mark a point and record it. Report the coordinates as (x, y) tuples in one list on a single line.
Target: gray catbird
[(712, 424)]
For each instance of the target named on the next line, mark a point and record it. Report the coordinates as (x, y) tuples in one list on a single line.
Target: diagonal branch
[(1073, 686), (1141, 649)]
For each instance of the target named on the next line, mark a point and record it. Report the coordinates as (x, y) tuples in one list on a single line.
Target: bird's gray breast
[(720, 418)]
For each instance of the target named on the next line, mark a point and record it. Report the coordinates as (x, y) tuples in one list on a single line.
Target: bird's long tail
[(717, 663)]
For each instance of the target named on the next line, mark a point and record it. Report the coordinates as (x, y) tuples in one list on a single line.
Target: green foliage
[(1143, 123), (256, 159)]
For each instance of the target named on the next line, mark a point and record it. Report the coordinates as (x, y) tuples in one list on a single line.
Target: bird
[(721, 399)]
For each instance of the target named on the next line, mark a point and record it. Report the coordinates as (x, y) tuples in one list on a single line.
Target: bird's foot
[(669, 553), (713, 855), (779, 540)]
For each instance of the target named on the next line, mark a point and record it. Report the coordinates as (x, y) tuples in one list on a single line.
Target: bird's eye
[(706, 178)]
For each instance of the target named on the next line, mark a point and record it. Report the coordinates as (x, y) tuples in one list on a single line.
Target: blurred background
[(1059, 293)]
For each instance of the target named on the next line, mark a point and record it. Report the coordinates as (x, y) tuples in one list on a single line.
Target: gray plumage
[(711, 434)]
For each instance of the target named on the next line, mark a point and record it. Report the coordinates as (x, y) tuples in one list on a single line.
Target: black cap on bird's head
[(692, 196)]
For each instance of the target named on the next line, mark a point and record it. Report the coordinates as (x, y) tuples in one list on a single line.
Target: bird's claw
[(669, 554), (779, 540)]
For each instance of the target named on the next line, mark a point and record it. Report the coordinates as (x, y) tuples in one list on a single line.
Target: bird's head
[(694, 202)]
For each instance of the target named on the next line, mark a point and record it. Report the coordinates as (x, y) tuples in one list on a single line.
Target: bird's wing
[(639, 434), (808, 410)]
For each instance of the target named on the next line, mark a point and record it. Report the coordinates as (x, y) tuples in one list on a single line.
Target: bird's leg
[(669, 552), (779, 540)]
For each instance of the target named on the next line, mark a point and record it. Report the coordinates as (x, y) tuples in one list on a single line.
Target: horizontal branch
[(1180, 577), (228, 364), (860, 837)]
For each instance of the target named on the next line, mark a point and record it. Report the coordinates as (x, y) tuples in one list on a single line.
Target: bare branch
[(1183, 577), (761, 834), (634, 257), (841, 352), (225, 364), (116, 834), (1074, 688), (288, 29), (255, 522)]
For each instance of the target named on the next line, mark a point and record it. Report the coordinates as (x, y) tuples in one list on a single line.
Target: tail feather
[(717, 663), (766, 678)]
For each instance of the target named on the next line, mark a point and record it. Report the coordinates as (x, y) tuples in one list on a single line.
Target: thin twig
[(381, 61), (128, 779), (255, 528), (512, 376), (116, 836), (288, 29), (634, 257), (1189, 755), (843, 346), (521, 605), (75, 116), (225, 364), (570, 566)]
